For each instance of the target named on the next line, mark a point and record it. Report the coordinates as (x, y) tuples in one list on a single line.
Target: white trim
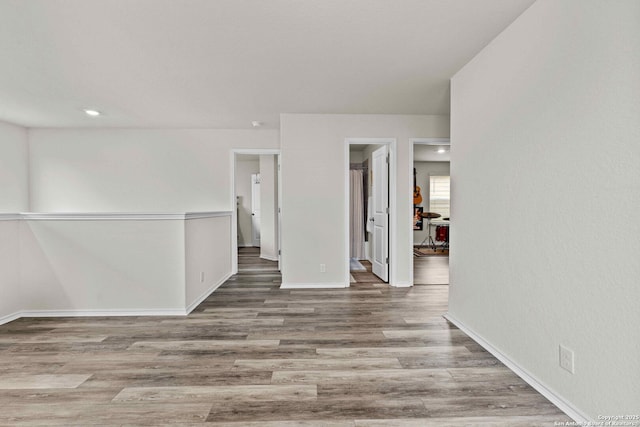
[(200, 215), (369, 141), (402, 284), (393, 211), (206, 293), (234, 215), (10, 216), (431, 141), (413, 142), (115, 312), (256, 223), (117, 216), (103, 313), (103, 216), (279, 212), (391, 143), (269, 258), (561, 403), (10, 317), (256, 151), (325, 285), (234, 206)]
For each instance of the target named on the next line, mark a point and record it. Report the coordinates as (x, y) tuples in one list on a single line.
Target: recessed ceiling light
[(256, 124), (92, 113)]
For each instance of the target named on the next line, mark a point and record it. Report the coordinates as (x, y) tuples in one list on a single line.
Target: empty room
[(319, 213)]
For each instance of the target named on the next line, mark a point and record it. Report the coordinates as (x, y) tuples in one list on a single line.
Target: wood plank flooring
[(249, 261), (431, 270), (427, 270), (255, 355)]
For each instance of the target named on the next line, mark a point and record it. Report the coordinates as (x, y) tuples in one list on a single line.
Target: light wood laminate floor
[(255, 355), (431, 270)]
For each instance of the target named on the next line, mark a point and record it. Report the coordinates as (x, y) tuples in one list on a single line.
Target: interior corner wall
[(136, 170), (14, 167), (545, 165), (313, 170)]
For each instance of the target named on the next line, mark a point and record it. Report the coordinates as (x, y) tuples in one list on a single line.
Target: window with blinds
[(439, 199)]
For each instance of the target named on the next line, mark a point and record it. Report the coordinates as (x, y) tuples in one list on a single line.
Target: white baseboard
[(105, 313), (113, 312), (401, 284), (206, 293), (562, 404), (269, 258), (10, 317), (325, 285)]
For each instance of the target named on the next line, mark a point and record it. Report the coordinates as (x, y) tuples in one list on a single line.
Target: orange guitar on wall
[(417, 197)]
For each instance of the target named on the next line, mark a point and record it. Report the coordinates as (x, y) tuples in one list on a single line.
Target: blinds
[(439, 198)]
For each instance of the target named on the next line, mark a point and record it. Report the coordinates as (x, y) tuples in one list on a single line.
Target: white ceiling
[(224, 63), (429, 153)]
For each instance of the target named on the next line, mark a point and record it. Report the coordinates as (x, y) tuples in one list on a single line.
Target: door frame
[(391, 143), (255, 181), (234, 206), (412, 143)]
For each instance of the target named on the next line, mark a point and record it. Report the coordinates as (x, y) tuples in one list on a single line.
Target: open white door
[(279, 212), (255, 209), (380, 214)]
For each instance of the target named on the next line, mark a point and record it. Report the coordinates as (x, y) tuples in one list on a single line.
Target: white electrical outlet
[(202, 277), (323, 268), (566, 359)]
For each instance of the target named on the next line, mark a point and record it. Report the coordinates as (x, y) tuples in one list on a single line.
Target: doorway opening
[(369, 210), (430, 158), (256, 211)]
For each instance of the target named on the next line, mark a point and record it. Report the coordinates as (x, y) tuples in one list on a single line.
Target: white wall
[(124, 170), (10, 293), (356, 156), (125, 265), (14, 187), (13, 198), (550, 112), (313, 168), (110, 266), (208, 251), (246, 165), (423, 171), (268, 206), (116, 264)]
